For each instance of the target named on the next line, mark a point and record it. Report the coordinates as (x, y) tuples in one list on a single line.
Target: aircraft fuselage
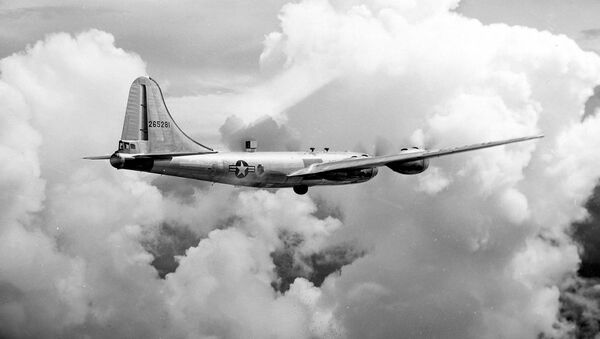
[(254, 169)]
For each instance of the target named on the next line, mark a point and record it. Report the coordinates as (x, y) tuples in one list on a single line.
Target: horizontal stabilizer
[(148, 155), (167, 154), (99, 157)]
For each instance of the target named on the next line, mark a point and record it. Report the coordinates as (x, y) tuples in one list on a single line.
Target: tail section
[(149, 127)]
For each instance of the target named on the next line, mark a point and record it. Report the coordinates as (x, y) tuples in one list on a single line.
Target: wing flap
[(359, 163)]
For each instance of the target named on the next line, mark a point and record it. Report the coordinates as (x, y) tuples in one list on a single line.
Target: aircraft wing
[(359, 163)]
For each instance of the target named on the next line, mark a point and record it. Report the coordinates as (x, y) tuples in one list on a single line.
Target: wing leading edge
[(358, 163)]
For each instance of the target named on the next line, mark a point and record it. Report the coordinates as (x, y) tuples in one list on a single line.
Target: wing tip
[(531, 137)]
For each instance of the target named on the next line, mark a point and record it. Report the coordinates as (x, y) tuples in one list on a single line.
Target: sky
[(479, 246)]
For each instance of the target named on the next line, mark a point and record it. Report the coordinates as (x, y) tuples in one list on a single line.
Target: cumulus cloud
[(433, 181), (79, 239), (449, 80), (51, 260), (593, 103), (586, 233), (580, 306), (269, 135), (474, 249)]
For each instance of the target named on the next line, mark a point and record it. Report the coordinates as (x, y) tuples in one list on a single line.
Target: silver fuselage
[(255, 169)]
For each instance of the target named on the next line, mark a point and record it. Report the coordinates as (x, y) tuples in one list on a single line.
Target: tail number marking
[(159, 124)]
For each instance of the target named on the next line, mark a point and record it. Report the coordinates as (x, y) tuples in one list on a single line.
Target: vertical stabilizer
[(149, 127)]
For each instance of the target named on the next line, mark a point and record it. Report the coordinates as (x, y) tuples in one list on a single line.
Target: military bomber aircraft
[(152, 142)]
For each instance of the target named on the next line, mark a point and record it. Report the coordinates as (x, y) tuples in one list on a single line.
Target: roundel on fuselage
[(241, 168)]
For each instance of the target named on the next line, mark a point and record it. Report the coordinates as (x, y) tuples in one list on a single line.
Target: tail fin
[(149, 127)]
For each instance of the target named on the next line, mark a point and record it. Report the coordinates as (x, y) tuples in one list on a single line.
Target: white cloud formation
[(452, 81), (222, 288), (433, 181), (478, 250), (72, 231)]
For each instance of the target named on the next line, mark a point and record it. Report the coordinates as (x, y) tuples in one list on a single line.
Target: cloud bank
[(477, 249)]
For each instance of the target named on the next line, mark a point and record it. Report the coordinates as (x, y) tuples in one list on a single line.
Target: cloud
[(459, 247), (290, 264), (270, 136), (177, 51), (592, 33), (168, 242), (479, 250), (79, 239), (580, 305), (433, 181), (60, 237), (593, 103), (586, 233), (223, 286)]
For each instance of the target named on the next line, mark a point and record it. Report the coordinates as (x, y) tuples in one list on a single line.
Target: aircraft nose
[(117, 161)]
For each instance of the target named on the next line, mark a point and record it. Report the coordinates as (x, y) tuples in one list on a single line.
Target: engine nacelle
[(411, 167)]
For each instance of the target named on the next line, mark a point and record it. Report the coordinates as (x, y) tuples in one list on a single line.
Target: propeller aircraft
[(152, 142)]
